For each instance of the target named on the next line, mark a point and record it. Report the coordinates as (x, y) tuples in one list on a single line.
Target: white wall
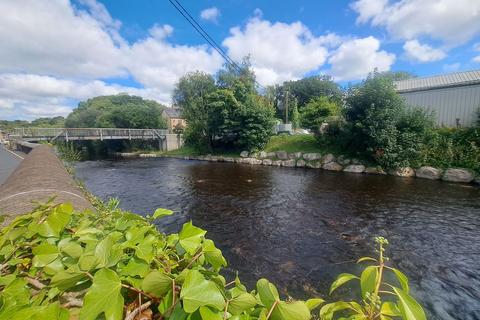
[(448, 104)]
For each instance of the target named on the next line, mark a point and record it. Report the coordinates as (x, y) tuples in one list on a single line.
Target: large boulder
[(277, 163), (228, 159), (427, 172), (458, 175), (332, 166), (328, 158), (374, 170), (295, 155), (402, 172), (355, 168), (288, 163), (244, 154), (271, 155), (301, 163), (314, 164), (312, 156), (267, 162), (262, 155), (343, 161), (282, 155)]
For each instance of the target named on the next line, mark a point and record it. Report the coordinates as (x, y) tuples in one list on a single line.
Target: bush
[(318, 111), (62, 264), (381, 128)]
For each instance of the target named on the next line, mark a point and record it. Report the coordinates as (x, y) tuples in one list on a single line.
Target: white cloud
[(422, 52), (278, 51), (476, 59), (452, 67), (354, 59), (452, 21), (210, 14), (59, 51)]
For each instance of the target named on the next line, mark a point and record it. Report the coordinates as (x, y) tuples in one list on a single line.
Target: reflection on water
[(300, 228)]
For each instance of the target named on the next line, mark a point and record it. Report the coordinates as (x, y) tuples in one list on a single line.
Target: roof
[(173, 113), (440, 81)]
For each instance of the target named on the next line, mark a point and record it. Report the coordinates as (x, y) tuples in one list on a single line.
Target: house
[(174, 118), (454, 98)]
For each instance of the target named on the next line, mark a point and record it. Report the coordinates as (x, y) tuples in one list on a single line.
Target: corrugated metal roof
[(441, 81)]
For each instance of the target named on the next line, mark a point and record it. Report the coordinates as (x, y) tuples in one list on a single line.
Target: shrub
[(318, 111), (61, 264)]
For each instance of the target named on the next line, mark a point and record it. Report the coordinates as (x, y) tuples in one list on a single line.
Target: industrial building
[(454, 98)]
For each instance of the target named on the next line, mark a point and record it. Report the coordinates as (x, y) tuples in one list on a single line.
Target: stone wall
[(39, 176)]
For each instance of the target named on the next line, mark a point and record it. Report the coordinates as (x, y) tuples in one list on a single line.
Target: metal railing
[(87, 133)]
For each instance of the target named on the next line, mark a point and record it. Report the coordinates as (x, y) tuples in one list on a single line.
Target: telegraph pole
[(286, 107)]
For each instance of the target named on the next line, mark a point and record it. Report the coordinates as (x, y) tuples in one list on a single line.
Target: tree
[(318, 111), (381, 127), (295, 115), (117, 111), (312, 87), (397, 75)]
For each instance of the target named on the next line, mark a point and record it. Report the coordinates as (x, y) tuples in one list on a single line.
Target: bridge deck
[(70, 134)]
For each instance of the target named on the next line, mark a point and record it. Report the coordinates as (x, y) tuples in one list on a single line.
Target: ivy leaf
[(368, 280), (341, 280), (297, 310), (409, 308), (197, 291), (65, 280), (390, 309), (145, 249), (242, 302), (107, 253), (160, 212), (191, 237), (55, 222), (328, 310), (267, 292), (104, 296), (314, 303), (73, 249), (402, 278), (157, 283), (136, 267), (213, 255), (44, 254), (208, 314), (366, 259)]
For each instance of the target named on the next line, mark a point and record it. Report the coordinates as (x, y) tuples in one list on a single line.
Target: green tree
[(397, 75), (309, 88), (381, 127), (318, 111), (295, 115), (117, 111)]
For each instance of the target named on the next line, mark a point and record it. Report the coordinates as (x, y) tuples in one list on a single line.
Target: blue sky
[(57, 52)]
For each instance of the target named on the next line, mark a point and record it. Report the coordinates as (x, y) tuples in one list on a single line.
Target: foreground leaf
[(409, 308), (103, 297), (341, 280), (368, 280), (157, 283), (197, 292)]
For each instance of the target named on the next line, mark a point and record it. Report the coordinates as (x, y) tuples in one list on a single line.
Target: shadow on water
[(301, 228)]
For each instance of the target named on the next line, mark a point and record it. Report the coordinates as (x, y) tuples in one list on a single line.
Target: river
[(300, 227)]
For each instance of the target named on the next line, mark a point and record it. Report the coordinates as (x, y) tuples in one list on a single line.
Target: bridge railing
[(88, 132)]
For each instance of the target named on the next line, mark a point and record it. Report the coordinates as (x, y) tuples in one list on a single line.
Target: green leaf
[(368, 280), (135, 267), (267, 292), (107, 252), (65, 280), (145, 249), (390, 309), (55, 222), (87, 262), (341, 280), (197, 291), (213, 255), (104, 296), (366, 259), (157, 283), (242, 302), (73, 249), (44, 254), (191, 237), (160, 212), (297, 310), (327, 311), (402, 278), (409, 308), (314, 303), (209, 314)]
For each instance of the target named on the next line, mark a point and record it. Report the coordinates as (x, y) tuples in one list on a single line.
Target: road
[(8, 162)]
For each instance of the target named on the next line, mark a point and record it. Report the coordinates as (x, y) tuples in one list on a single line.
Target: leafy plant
[(318, 111), (380, 299)]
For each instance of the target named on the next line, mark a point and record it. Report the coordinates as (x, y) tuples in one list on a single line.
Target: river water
[(302, 227)]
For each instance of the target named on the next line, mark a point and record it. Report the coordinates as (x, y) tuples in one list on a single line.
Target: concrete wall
[(40, 176), (448, 104)]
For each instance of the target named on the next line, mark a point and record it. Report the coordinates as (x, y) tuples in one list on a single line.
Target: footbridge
[(167, 141)]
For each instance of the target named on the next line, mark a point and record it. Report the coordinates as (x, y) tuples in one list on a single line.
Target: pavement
[(9, 160)]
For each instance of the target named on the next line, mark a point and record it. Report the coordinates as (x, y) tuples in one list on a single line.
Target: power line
[(191, 20)]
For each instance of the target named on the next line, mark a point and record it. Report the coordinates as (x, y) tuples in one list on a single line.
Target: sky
[(55, 53)]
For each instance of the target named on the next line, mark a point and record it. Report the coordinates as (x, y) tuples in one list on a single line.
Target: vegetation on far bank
[(58, 263)]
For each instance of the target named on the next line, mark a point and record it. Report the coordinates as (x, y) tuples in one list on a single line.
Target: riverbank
[(303, 151)]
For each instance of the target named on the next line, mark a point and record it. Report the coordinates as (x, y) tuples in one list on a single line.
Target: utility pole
[(286, 107)]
